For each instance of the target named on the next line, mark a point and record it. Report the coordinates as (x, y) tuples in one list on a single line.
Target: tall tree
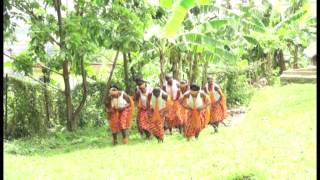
[(74, 44)]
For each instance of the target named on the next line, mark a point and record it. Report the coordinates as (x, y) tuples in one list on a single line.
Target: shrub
[(93, 113), (236, 87), (26, 113)]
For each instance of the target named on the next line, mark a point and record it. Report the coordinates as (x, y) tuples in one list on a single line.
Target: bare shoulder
[(186, 94)]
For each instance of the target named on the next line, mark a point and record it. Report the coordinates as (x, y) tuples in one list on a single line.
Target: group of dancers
[(177, 104)]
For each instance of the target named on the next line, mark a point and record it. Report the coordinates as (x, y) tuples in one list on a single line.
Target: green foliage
[(8, 26), (27, 114), (175, 21), (235, 85), (24, 62), (199, 28), (59, 141), (166, 3), (125, 29), (26, 108), (93, 113), (179, 12)]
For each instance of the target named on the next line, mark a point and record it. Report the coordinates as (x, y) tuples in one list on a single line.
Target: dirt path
[(235, 116)]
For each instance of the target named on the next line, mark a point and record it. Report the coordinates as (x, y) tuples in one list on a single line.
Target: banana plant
[(275, 35)]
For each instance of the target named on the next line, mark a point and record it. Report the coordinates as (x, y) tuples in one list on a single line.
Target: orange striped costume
[(196, 120), (182, 112), (173, 116), (119, 120), (157, 114), (142, 115), (218, 109)]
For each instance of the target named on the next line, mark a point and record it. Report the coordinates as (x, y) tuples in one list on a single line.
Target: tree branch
[(39, 64), (32, 15), (110, 76)]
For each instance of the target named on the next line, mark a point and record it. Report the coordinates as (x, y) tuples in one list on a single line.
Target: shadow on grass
[(67, 142)]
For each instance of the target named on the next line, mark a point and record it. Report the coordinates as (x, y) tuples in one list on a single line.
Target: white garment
[(215, 93), (198, 101), (173, 89), (144, 97), (119, 102), (162, 103)]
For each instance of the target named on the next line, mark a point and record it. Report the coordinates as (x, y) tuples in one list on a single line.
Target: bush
[(26, 112), (93, 113), (236, 87)]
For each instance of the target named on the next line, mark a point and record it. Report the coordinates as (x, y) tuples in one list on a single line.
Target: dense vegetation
[(238, 44)]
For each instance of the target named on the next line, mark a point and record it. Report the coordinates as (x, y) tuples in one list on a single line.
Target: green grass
[(276, 140)]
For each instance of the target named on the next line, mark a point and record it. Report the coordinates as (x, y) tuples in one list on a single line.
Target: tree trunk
[(314, 60), (295, 57), (110, 76), (161, 67), (205, 73), (282, 64), (194, 69), (112, 69), (46, 96), (84, 88), (84, 82), (175, 64), (183, 66), (67, 94), (133, 74), (228, 4), (67, 90), (126, 73), (179, 61), (268, 67), (190, 60)]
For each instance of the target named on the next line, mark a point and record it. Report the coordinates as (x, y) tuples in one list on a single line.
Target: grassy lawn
[(276, 140)]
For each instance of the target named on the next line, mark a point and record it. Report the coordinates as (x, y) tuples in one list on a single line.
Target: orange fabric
[(207, 117), (183, 113), (194, 123), (206, 113), (142, 119), (131, 110), (173, 116), (157, 120), (140, 105), (218, 112), (120, 120), (196, 120)]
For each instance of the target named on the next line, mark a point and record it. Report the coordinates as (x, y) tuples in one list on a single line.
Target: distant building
[(96, 66)]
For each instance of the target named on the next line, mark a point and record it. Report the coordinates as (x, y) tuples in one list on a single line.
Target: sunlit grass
[(276, 140)]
